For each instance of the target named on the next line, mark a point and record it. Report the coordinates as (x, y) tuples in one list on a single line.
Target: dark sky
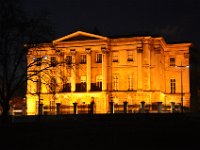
[(176, 20)]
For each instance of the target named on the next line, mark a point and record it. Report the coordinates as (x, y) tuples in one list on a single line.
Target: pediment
[(79, 36)]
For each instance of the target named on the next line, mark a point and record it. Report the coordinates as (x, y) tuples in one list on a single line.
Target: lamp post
[(182, 66)]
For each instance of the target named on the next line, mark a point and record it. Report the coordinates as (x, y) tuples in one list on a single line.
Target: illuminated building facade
[(81, 68)]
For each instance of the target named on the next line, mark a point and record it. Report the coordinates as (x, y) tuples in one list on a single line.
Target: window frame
[(115, 83), (172, 85), (68, 61), (83, 59), (115, 57), (98, 58), (172, 61), (129, 56), (130, 83)]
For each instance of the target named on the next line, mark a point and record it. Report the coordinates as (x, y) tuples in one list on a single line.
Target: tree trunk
[(5, 117)]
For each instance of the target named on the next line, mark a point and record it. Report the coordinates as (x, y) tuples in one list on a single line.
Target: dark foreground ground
[(117, 131)]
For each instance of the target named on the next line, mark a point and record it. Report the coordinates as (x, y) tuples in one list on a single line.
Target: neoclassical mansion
[(81, 68)]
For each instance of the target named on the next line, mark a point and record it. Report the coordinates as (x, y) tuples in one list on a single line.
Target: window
[(172, 61), (83, 59), (173, 85), (130, 83), (115, 83), (67, 85), (53, 85), (83, 83), (99, 83), (53, 61), (99, 58), (38, 85), (69, 60), (38, 61), (115, 57), (129, 55)]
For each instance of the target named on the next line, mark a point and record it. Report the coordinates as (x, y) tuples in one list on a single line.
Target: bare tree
[(17, 29)]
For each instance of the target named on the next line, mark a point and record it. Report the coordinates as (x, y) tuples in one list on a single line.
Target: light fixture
[(45, 57)]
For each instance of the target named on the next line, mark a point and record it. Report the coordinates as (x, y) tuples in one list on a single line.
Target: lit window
[(115, 56), (83, 59), (129, 55), (173, 85), (69, 60), (53, 61), (172, 61), (130, 83), (115, 82), (99, 58)]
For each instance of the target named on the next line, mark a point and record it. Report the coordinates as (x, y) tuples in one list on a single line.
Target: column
[(139, 64), (111, 103), (73, 74), (146, 64), (172, 107), (88, 51), (125, 107), (58, 108), (142, 107), (40, 109), (75, 108), (92, 107), (104, 69)]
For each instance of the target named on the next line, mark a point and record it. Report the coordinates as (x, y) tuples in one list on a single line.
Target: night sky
[(176, 20)]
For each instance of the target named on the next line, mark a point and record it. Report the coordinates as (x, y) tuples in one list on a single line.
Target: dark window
[(67, 87), (172, 61), (129, 55), (83, 86), (78, 87), (38, 61), (83, 59), (99, 86), (53, 61), (99, 58), (69, 60)]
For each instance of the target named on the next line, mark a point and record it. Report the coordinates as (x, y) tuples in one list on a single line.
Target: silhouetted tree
[(17, 31)]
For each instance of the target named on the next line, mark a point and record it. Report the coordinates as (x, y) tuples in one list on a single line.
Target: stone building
[(81, 68)]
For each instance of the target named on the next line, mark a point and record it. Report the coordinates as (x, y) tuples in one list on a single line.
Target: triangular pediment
[(80, 36)]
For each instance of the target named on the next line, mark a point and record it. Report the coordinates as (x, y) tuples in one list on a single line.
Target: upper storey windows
[(98, 58), (172, 61), (68, 60), (83, 59), (53, 61), (115, 57), (129, 55)]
